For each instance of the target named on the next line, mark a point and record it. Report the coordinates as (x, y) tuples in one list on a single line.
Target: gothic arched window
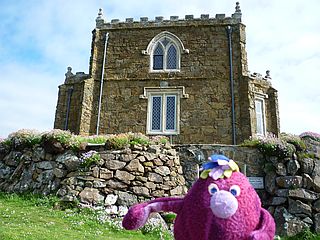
[(165, 55), (165, 51)]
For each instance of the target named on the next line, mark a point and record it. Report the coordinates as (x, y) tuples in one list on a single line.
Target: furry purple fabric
[(222, 209)]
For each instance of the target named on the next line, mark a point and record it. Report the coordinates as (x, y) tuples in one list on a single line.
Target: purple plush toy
[(221, 204)]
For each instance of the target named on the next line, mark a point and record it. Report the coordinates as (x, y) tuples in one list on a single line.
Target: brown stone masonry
[(204, 111)]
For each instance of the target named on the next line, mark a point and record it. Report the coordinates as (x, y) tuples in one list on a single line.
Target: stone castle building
[(185, 78)]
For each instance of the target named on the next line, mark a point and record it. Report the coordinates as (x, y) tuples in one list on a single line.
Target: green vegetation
[(32, 217), (283, 146), (63, 137), (295, 140), (305, 235), (311, 135), (124, 140), (120, 141), (169, 217), (30, 138), (89, 158), (22, 138)]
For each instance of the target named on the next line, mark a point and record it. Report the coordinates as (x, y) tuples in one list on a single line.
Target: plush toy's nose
[(223, 204)]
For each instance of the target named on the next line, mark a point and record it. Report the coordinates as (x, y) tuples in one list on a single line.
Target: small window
[(158, 57), (163, 114), (171, 104), (260, 117), (165, 55), (165, 51), (156, 115), (172, 58)]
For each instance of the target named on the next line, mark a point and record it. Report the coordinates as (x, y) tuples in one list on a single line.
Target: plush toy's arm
[(138, 214), (266, 229)]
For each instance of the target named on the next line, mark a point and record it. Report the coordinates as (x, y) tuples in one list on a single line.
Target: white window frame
[(149, 93), (262, 113), (163, 114), (173, 40)]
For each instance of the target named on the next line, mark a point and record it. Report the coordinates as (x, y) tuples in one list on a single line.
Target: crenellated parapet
[(102, 23)]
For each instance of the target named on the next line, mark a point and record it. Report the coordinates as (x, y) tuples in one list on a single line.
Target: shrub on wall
[(311, 135), (61, 136), (89, 158), (66, 140), (23, 137), (282, 147), (294, 140)]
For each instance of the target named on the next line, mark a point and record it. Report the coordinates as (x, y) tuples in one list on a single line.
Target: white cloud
[(27, 98)]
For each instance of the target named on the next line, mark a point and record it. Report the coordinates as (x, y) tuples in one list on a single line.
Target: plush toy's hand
[(138, 214), (256, 235), (266, 228), (136, 217)]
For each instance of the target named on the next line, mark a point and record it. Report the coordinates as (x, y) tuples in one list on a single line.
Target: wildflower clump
[(271, 145), (5, 144), (295, 140), (57, 135), (23, 138), (125, 140), (58, 140), (312, 135), (138, 138), (157, 140), (119, 141), (89, 158)]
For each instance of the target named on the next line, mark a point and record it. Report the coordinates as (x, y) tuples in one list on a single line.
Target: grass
[(30, 217)]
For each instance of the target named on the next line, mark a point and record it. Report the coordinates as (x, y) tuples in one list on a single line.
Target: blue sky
[(40, 39)]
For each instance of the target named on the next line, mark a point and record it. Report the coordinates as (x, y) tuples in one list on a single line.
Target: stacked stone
[(294, 186), (125, 177), (29, 170), (120, 179)]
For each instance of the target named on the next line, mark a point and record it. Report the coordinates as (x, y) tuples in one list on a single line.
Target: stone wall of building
[(74, 106), (205, 115)]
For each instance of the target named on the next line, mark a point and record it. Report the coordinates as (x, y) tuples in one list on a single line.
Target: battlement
[(101, 22)]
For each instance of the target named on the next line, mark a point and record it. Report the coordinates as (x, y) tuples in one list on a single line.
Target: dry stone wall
[(293, 188), (192, 156), (121, 178)]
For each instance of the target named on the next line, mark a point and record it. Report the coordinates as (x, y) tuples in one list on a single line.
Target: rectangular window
[(157, 62), (163, 113), (170, 113), (260, 116), (156, 118)]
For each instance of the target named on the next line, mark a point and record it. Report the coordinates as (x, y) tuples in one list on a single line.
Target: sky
[(40, 39)]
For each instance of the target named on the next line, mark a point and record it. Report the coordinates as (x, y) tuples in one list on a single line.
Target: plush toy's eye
[(213, 188), (235, 190)]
